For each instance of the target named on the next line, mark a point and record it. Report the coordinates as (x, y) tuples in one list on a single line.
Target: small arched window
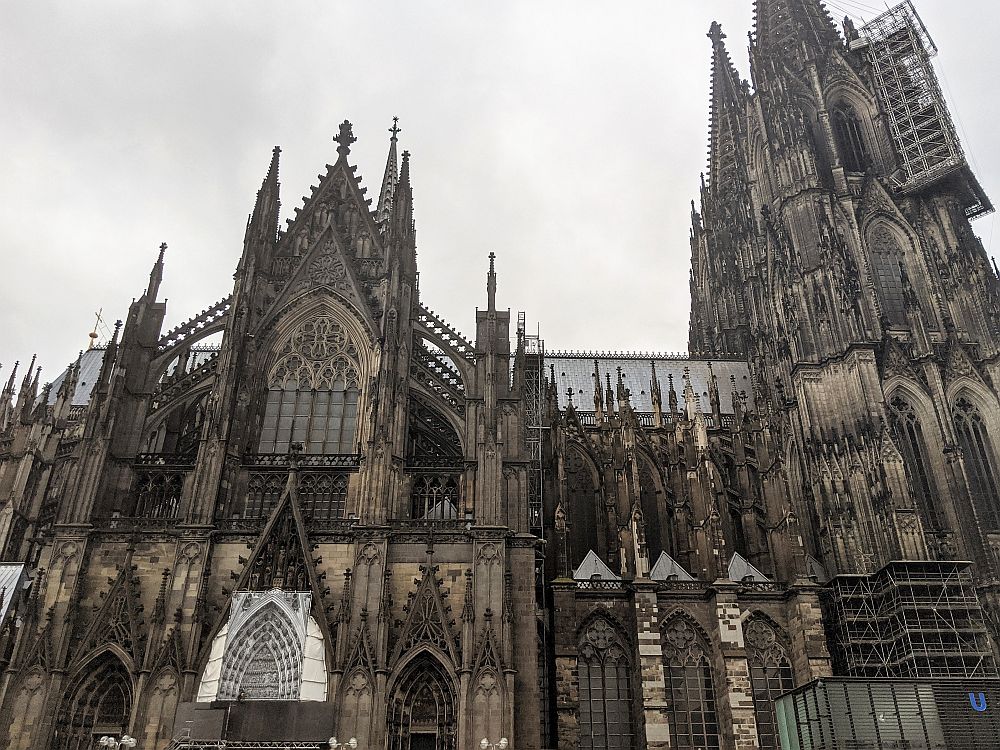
[(770, 677), (910, 438), (313, 392), (850, 141), (605, 689), (977, 448), (690, 688)]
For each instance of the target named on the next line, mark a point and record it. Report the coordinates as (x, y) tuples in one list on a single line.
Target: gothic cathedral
[(316, 509)]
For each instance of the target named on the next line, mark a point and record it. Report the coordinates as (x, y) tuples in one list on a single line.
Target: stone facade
[(316, 508)]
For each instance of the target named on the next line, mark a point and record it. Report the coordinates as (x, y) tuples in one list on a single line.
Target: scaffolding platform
[(900, 49), (910, 619)]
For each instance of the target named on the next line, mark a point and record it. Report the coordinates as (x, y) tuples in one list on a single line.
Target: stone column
[(654, 699), (809, 653), (736, 714), (567, 682)]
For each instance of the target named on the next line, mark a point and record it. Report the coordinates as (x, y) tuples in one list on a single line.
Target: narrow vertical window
[(977, 449), (770, 677), (886, 257), (910, 438), (582, 496), (850, 142), (605, 690), (690, 689)]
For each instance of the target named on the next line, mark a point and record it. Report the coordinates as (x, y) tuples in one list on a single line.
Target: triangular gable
[(362, 655), (594, 568), (959, 364), (816, 569), (668, 569), (740, 569), (117, 621), (428, 620), (326, 266), (488, 656)]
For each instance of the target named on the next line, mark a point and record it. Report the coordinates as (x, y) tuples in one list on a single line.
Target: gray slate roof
[(576, 370)]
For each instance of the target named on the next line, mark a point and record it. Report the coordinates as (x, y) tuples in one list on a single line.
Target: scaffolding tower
[(900, 49), (910, 619)]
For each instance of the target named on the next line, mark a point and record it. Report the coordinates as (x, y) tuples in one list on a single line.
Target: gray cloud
[(566, 136)]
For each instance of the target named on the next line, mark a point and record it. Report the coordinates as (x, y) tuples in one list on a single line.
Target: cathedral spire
[(264, 219), (156, 275), (389, 179), (726, 114), (401, 211), (790, 27)]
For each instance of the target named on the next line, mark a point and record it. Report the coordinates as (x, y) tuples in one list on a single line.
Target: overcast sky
[(565, 136)]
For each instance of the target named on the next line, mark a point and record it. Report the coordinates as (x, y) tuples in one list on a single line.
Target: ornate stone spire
[(728, 105), (785, 27), (156, 275), (389, 179), (264, 219), (491, 285)]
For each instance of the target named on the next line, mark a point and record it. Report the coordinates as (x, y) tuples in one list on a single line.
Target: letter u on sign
[(978, 701)]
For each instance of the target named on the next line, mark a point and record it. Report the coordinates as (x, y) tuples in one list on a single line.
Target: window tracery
[(910, 438), (313, 391), (690, 688), (434, 496), (850, 141), (977, 448), (605, 689), (887, 258), (770, 676)]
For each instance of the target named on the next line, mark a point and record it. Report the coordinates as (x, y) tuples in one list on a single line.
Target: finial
[(345, 138), (395, 129), (163, 249), (569, 395), (491, 284), (715, 32)]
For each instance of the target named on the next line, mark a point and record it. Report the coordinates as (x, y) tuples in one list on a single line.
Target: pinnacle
[(345, 138)]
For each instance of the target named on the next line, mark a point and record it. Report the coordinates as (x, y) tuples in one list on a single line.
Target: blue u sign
[(978, 701)]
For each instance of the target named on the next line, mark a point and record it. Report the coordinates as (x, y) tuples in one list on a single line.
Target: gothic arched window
[(313, 392), (605, 689), (910, 438), (690, 688), (850, 141), (651, 511), (99, 704), (886, 256), (581, 492), (770, 676), (974, 440), (189, 433)]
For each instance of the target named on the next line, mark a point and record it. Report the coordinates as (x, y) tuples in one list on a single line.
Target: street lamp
[(485, 744), (334, 745), (114, 742)]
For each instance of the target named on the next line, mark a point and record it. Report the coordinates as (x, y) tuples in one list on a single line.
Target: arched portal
[(98, 703), (264, 659), (422, 709)]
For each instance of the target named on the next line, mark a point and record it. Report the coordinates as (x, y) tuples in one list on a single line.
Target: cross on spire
[(345, 138), (395, 129)]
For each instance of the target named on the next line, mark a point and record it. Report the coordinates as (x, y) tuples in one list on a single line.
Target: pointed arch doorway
[(98, 703), (422, 712)]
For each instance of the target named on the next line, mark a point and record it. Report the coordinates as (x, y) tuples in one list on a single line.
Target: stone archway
[(422, 710), (98, 703)]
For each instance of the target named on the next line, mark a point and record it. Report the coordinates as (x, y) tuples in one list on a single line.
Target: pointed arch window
[(887, 259), (99, 704), (909, 436), (651, 510), (434, 496), (977, 448), (690, 688), (605, 689), (581, 491), (313, 392), (770, 677), (850, 141)]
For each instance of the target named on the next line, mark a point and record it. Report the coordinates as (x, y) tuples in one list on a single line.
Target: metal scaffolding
[(900, 51), (910, 619)]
